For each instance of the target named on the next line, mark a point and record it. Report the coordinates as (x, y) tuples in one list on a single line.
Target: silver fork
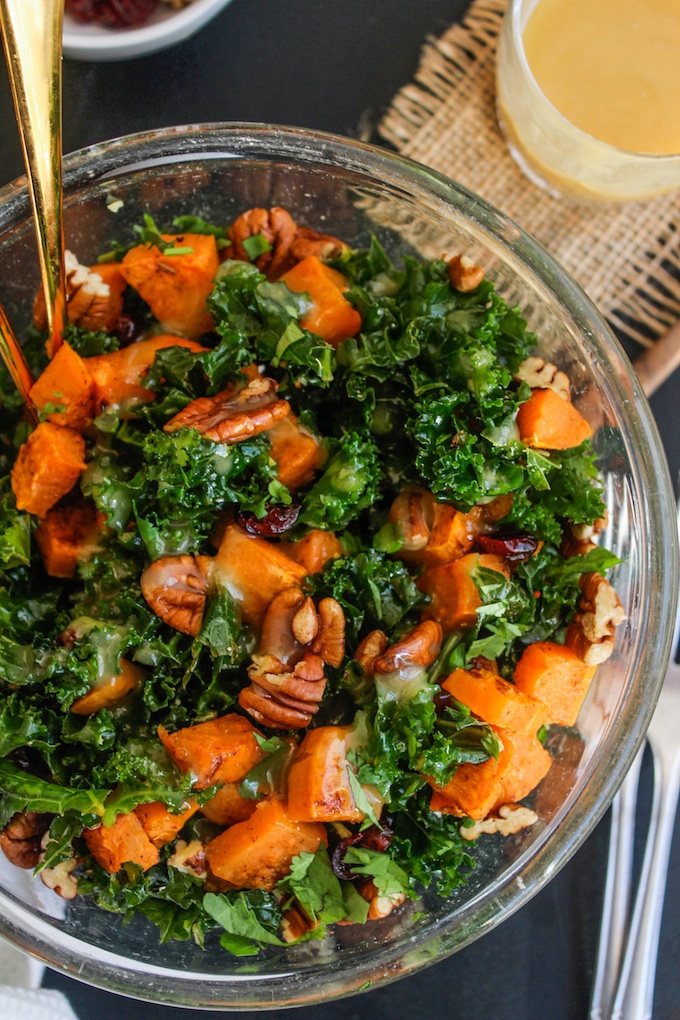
[(629, 991)]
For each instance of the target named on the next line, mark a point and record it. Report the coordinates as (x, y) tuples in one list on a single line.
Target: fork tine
[(676, 628)]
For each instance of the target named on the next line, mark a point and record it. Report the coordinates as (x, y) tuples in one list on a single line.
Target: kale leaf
[(374, 591), (349, 484), (251, 919)]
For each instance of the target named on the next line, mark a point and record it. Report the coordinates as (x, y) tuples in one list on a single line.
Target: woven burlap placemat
[(626, 257)]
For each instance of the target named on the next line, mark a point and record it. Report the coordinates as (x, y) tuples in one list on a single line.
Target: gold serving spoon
[(13, 356), (31, 31)]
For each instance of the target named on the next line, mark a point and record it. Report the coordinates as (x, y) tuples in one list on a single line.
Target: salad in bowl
[(300, 573), (324, 576)]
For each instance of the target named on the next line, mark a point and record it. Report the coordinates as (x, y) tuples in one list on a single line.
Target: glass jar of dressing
[(588, 95)]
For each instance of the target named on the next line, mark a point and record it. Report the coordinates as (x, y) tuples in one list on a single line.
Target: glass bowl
[(353, 190)]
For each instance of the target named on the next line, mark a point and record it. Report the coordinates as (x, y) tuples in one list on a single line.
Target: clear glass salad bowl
[(354, 190)]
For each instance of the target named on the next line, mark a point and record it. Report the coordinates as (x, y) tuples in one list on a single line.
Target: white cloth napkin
[(20, 992)]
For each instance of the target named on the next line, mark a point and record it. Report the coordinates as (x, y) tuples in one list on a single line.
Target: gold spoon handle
[(31, 32), (14, 359)]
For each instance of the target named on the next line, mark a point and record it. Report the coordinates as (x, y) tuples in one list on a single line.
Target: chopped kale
[(425, 395)]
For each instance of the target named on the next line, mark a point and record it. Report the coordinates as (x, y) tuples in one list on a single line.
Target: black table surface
[(335, 66)]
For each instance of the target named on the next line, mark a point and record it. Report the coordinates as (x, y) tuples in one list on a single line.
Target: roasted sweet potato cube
[(440, 804), (228, 806), (48, 466), (314, 550), (297, 452), (529, 764), (67, 535), (65, 390), (331, 316), (474, 789), (493, 699), (162, 825), (220, 750), (433, 533), (557, 677), (121, 843), (547, 421), (111, 691), (118, 376), (451, 536), (318, 782), (175, 287), (257, 853), (255, 571), (455, 599)]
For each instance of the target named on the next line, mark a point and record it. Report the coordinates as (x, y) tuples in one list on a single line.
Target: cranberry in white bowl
[(119, 29)]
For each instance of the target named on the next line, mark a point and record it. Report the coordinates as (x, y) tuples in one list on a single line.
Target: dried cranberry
[(379, 839), (127, 13), (442, 701), (276, 521), (515, 546), (112, 13), (83, 10), (341, 869), (28, 760), (128, 329), (67, 638), (372, 838)]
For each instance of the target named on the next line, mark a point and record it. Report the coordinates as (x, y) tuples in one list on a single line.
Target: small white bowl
[(165, 28)]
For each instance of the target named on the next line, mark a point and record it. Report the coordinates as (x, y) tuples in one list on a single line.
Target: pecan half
[(21, 838), (592, 632), (90, 301), (413, 513), (329, 642), (277, 637), (287, 678), (60, 879), (540, 374), (579, 539), (232, 416), (189, 858), (380, 905), (420, 647), (283, 698), (296, 923), (432, 533), (293, 626), (287, 242), (510, 819), (464, 274), (305, 622), (310, 242), (370, 649), (276, 226), (176, 587)]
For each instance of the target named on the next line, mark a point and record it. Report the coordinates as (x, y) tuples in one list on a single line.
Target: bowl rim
[(578, 818)]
